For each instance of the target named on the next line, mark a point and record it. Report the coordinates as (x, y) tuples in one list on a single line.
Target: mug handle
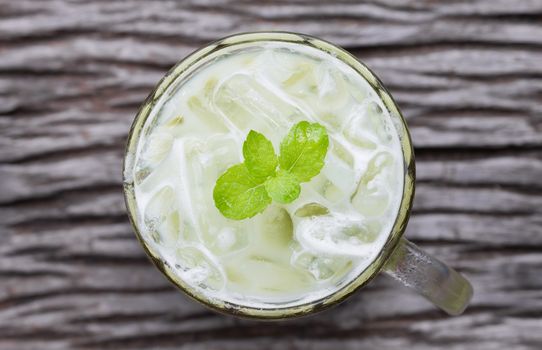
[(430, 277)]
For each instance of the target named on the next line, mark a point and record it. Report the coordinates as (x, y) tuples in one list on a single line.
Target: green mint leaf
[(246, 189), (283, 188), (238, 195), (303, 150), (259, 154)]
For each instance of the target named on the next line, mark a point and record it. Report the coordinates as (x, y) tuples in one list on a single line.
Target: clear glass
[(399, 258), (430, 277)]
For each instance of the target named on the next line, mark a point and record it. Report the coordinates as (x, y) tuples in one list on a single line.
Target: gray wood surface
[(467, 75)]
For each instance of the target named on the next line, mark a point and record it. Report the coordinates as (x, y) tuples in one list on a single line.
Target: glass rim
[(184, 67)]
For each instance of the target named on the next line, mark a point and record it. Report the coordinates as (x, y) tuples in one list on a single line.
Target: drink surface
[(289, 254)]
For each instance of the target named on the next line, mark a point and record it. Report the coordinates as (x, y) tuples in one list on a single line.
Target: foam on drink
[(289, 254)]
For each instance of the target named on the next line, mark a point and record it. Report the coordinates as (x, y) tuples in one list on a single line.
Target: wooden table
[(467, 75)]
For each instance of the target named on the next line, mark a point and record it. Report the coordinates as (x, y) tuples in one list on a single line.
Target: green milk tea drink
[(282, 215)]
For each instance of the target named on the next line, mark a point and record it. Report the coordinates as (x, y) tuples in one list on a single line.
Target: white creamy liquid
[(289, 254)]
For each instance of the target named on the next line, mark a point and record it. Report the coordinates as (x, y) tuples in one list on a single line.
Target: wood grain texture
[(467, 75)]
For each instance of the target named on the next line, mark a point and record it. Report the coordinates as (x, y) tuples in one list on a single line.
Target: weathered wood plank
[(467, 75)]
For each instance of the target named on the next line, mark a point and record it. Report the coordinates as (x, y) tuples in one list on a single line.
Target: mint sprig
[(238, 195), (246, 189), (303, 150), (283, 188), (260, 157)]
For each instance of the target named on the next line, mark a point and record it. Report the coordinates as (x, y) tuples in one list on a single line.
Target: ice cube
[(265, 264), (311, 209), (151, 178), (209, 89), (331, 119), (301, 73), (171, 229), (359, 130), (372, 197), (284, 68), (173, 125), (337, 179), (325, 94), (157, 147), (342, 152), (142, 173), (379, 165), (301, 82), (379, 122), (337, 234), (371, 202), (324, 188), (275, 230), (206, 160), (222, 239), (205, 118), (196, 266), (161, 204), (248, 272), (250, 105), (317, 86), (321, 267), (162, 218), (333, 91), (188, 234), (339, 173), (225, 239), (359, 90)]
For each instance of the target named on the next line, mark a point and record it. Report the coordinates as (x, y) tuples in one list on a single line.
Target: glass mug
[(399, 258)]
